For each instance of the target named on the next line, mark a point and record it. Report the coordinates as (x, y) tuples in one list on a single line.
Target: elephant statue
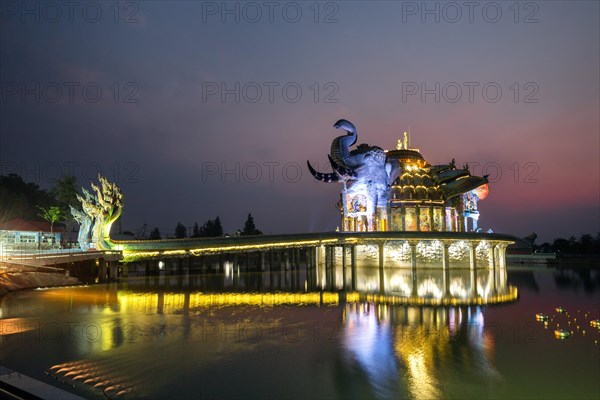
[(364, 172)]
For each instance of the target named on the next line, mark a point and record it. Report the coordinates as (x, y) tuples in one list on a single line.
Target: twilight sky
[(199, 109)]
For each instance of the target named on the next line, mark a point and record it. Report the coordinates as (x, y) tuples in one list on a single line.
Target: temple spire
[(403, 143)]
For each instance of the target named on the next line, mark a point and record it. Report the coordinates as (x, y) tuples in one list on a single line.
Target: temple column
[(444, 217), (461, 222), (418, 217), (455, 220), (431, 219), (403, 216)]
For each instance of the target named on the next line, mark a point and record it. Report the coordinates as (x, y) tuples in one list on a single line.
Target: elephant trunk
[(340, 147)]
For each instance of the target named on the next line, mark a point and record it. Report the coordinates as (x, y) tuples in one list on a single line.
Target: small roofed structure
[(20, 234)]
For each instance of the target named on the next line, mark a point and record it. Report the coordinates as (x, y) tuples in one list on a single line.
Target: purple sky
[(174, 149)]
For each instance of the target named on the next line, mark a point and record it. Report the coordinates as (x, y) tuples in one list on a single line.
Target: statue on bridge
[(85, 228), (102, 209)]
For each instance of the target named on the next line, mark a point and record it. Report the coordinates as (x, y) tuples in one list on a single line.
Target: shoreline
[(23, 278)]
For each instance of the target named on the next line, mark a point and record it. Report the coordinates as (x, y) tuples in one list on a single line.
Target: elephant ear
[(388, 169)]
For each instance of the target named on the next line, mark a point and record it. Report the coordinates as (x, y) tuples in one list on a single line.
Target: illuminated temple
[(398, 190), (409, 234)]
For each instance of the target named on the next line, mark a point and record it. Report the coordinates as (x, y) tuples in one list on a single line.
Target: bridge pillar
[(473, 275), (298, 285), (353, 265), (472, 256), (413, 264), (381, 247), (446, 267), (343, 267), (262, 260), (333, 269)]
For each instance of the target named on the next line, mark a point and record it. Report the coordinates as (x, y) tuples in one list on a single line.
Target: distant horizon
[(170, 231)]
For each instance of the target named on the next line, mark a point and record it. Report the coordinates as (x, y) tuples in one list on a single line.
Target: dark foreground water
[(271, 335)]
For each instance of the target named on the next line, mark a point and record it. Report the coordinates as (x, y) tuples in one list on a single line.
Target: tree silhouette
[(211, 228), (180, 231), (250, 228), (218, 228), (21, 200), (155, 234), (196, 231)]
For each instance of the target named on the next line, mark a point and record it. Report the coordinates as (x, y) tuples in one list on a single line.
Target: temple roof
[(416, 185), (21, 225), (405, 155)]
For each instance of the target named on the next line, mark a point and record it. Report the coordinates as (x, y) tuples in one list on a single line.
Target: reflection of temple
[(397, 190), (416, 352)]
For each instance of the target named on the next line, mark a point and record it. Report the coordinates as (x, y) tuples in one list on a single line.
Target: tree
[(155, 234), (51, 214), (196, 231), (142, 232), (65, 193), (20, 200), (250, 228), (218, 228), (211, 228), (180, 231), (561, 245)]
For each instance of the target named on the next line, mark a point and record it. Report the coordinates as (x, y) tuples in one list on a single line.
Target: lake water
[(275, 335)]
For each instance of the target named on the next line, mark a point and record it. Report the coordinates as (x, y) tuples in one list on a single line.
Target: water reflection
[(391, 333), (573, 278), (416, 352)]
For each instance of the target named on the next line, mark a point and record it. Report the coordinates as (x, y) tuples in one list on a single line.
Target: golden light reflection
[(10, 326)]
